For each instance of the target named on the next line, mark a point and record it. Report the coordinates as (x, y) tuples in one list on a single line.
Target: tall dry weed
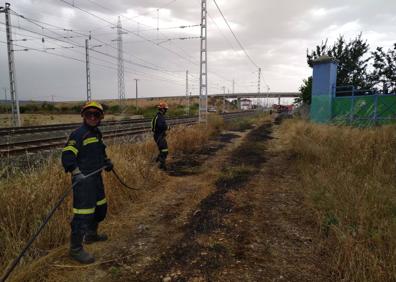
[(348, 176)]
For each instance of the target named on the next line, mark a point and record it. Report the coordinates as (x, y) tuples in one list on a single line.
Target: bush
[(114, 109)]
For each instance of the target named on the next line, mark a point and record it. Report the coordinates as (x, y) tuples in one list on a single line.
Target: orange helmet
[(163, 105), (92, 104)]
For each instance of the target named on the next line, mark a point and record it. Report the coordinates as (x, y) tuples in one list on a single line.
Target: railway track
[(25, 139), (58, 127)]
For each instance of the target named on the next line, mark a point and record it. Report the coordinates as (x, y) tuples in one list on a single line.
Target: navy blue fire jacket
[(158, 124), (85, 150)]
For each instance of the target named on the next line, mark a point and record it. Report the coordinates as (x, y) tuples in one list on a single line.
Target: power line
[(145, 39), (237, 40), (35, 22), (134, 33), (66, 39), (156, 77), (80, 46), (77, 45), (138, 35), (218, 28), (45, 50), (152, 28)]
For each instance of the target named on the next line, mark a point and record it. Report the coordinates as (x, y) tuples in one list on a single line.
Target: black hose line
[(122, 182), (46, 220)]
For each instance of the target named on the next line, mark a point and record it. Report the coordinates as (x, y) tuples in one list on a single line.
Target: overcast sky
[(275, 34)]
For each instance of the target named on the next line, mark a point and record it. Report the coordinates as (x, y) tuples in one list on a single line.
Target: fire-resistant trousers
[(89, 208)]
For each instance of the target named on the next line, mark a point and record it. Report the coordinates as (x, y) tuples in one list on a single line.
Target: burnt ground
[(189, 164), (232, 234), (238, 217)]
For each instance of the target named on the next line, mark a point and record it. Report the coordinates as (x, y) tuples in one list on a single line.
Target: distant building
[(246, 104)]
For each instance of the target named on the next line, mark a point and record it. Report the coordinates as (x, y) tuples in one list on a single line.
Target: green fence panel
[(341, 110), (386, 109), (364, 111), (321, 109)]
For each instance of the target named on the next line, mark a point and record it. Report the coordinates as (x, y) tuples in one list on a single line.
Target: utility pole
[(15, 114), (5, 100), (233, 86), (87, 70), (259, 81), (121, 83), (87, 66), (187, 97), (224, 98), (203, 74), (268, 91), (136, 105)]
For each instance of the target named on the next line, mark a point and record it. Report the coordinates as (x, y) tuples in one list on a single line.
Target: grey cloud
[(276, 35)]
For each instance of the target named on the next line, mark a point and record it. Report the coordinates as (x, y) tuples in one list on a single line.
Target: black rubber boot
[(76, 249), (95, 237), (92, 235), (162, 166), (81, 256)]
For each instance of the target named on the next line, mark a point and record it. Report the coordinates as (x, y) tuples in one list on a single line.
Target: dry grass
[(43, 119), (27, 198), (348, 176)]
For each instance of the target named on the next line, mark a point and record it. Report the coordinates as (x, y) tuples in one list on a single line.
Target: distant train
[(282, 108)]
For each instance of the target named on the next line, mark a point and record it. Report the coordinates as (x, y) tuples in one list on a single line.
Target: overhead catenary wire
[(238, 41), (136, 34), (80, 46), (154, 77), (236, 38), (156, 68), (126, 30), (159, 30), (58, 30)]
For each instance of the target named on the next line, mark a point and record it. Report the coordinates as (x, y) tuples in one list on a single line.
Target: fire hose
[(49, 216)]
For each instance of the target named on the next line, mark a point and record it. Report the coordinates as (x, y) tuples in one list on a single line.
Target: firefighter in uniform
[(159, 127), (84, 153)]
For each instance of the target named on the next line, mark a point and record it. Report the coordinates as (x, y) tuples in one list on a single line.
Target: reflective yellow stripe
[(101, 202), (164, 150), (70, 148), (90, 140), (84, 211), (154, 123)]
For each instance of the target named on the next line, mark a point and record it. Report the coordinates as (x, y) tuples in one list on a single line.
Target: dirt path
[(231, 214)]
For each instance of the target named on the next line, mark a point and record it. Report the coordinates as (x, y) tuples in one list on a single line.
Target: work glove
[(77, 176), (109, 165)]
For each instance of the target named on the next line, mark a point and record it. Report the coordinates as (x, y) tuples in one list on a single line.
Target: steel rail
[(65, 126), (23, 146)]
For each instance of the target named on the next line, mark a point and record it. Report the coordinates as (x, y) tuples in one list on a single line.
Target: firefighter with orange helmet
[(159, 128), (85, 153)]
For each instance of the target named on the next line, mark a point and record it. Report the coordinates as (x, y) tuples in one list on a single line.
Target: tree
[(383, 76), (352, 60), (305, 92)]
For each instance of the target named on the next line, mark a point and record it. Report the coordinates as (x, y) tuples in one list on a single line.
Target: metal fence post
[(352, 105), (375, 108)]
